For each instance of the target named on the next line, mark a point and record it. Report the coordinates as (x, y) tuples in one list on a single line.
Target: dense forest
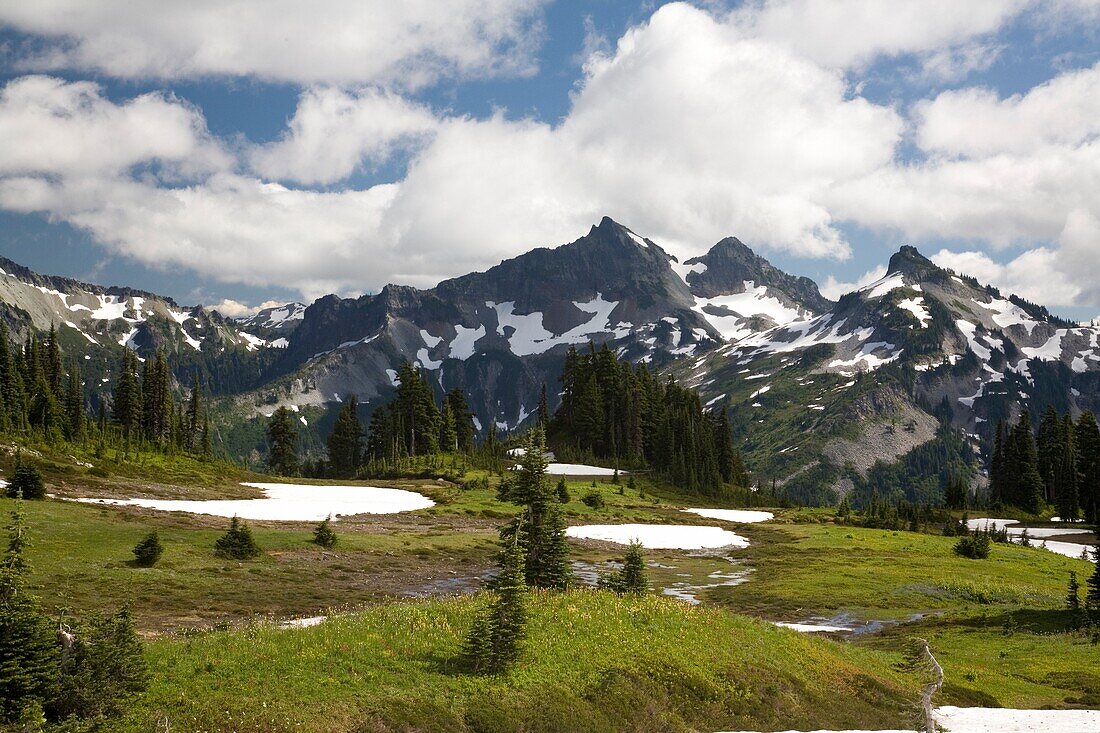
[(1059, 466), (622, 414), (41, 395)]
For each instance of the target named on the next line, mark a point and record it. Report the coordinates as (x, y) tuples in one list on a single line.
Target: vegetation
[(148, 551), (493, 641), (614, 411), (237, 543), (26, 482), (323, 535), (282, 443), (974, 545), (631, 577)]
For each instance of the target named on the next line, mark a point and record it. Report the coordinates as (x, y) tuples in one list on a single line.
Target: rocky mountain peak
[(909, 262)]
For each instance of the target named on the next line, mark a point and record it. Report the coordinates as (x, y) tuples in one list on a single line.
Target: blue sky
[(823, 134)]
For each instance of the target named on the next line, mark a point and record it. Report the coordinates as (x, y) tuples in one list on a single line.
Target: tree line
[(614, 411), (1059, 465)]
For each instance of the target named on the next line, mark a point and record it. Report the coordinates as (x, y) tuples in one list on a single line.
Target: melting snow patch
[(744, 516), (291, 502), (917, 307), (760, 391), (462, 347), (660, 536)]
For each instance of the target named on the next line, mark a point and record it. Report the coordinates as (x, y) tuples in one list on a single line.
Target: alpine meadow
[(543, 366)]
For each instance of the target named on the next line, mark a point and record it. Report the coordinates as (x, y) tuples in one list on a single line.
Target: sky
[(243, 152)]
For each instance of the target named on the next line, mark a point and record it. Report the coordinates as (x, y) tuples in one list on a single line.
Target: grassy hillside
[(592, 662)]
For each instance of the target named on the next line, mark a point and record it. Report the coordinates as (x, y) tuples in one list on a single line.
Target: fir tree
[(26, 482), (74, 406), (632, 578), (562, 491), (127, 409), (1073, 591), (103, 670), (448, 435), (206, 446), (344, 440), (28, 650), (192, 422), (1087, 439), (237, 543), (282, 442), (323, 535), (148, 551), (464, 424), (494, 640), (1092, 594), (544, 410)]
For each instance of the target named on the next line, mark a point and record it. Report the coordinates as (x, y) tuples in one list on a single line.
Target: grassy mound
[(592, 661)]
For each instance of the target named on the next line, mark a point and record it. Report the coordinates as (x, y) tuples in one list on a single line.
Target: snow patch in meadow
[(579, 469), (1002, 720), (291, 503), (660, 536), (1037, 535), (812, 628), (745, 516)]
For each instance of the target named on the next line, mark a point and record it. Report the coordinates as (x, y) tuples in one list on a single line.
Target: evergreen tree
[(1064, 472), (1092, 594), (344, 440), (1025, 485), (1073, 590), (28, 651), (103, 670), (26, 482), (562, 491), (206, 447), (997, 487), (323, 535), (192, 423), (544, 410), (74, 406), (464, 424), (52, 362), (282, 442), (448, 435), (127, 408), (1048, 448), (237, 543), (632, 578), (494, 640), (148, 551), (1087, 438)]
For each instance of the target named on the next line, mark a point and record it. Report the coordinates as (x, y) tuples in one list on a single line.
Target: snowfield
[(744, 516), (291, 503), (660, 536), (1037, 536), (579, 469), (1004, 720)]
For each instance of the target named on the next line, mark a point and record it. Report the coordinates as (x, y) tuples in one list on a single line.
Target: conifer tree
[(494, 640), (127, 409), (1073, 597), (26, 482), (323, 535), (544, 410), (1087, 437), (52, 362), (29, 655), (464, 425), (282, 441), (562, 491), (103, 670), (1064, 471), (1025, 485), (448, 435), (74, 405), (344, 440), (194, 415), (633, 578), (148, 551), (1092, 594), (237, 543)]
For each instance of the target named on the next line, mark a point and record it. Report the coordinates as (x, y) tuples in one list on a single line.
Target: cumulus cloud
[(833, 289), (693, 127), (334, 132), (852, 33), (1035, 274), (235, 309), (410, 43), (70, 129), (975, 122)]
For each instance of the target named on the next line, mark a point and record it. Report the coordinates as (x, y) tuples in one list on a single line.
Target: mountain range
[(810, 383)]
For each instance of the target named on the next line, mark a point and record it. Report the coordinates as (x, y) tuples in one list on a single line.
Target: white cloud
[(235, 309), (974, 122), (852, 33), (334, 132), (833, 289), (1034, 275), (411, 42), (69, 128)]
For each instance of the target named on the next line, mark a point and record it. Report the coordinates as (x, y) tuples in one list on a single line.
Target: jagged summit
[(910, 262)]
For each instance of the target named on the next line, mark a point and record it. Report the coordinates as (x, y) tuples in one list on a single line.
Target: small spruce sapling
[(1073, 598), (148, 551), (323, 534), (563, 491), (237, 543)]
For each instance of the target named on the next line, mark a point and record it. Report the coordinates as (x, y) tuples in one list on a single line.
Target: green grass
[(817, 569), (592, 662), (81, 560)]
